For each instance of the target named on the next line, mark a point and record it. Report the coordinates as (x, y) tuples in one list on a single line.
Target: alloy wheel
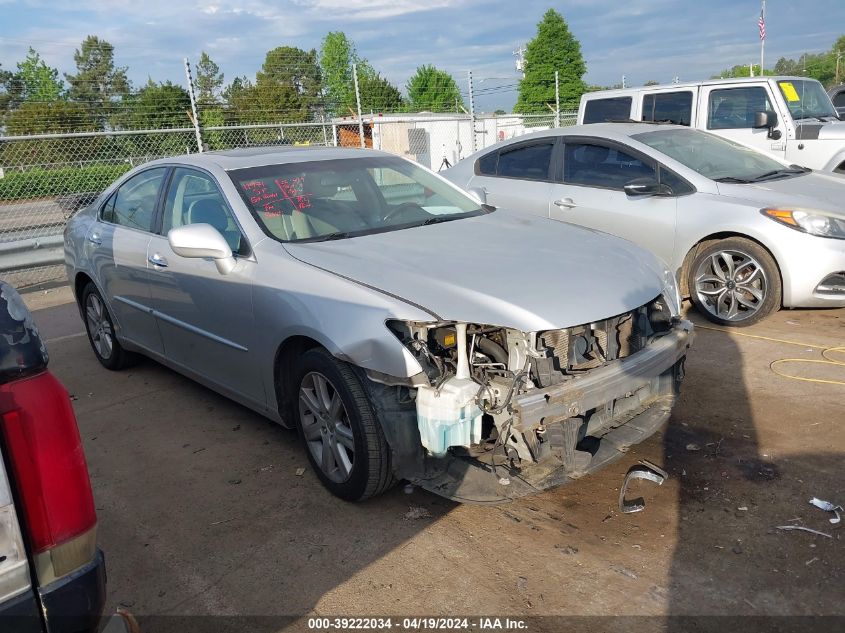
[(326, 427), (731, 285), (99, 326)]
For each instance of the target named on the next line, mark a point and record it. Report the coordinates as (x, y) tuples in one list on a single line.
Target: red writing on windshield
[(275, 197)]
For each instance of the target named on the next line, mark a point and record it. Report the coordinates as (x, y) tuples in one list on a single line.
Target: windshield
[(715, 157), (335, 199), (806, 98)]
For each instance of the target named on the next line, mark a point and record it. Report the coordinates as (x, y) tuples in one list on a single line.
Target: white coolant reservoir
[(450, 416)]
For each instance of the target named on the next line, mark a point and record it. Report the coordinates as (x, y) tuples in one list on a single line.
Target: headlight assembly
[(808, 221)]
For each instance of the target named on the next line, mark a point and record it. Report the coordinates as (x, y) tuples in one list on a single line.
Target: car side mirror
[(201, 241), (478, 194), (769, 120), (646, 186)]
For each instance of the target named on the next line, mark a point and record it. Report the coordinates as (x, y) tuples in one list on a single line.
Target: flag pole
[(762, 38)]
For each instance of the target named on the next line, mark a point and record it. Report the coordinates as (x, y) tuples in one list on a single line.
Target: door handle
[(95, 239), (157, 260), (565, 203)]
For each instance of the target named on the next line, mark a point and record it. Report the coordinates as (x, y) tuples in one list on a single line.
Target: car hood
[(818, 190), (504, 268)]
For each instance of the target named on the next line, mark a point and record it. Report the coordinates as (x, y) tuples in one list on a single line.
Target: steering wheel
[(400, 208)]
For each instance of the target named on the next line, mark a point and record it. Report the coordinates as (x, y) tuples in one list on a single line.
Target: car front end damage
[(498, 414)]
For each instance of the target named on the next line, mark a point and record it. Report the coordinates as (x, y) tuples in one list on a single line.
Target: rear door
[(206, 318), (118, 242), (518, 176), (590, 193)]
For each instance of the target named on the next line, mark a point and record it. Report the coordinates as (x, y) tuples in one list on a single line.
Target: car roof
[(611, 131), (603, 94), (244, 157)]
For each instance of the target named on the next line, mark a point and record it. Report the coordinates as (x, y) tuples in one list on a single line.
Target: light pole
[(838, 57)]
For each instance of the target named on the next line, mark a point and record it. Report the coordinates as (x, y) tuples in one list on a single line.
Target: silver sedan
[(744, 233), (405, 330)]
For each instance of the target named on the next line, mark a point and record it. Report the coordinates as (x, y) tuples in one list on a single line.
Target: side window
[(675, 107), (193, 198), (839, 100), (486, 165), (107, 211), (593, 165), (133, 204), (611, 109), (528, 162), (734, 108), (679, 186)]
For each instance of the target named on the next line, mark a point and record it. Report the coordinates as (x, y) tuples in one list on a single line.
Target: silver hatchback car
[(745, 233), (405, 330)]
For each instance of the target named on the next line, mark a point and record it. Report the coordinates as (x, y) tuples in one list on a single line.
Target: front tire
[(735, 282), (341, 433), (100, 329)]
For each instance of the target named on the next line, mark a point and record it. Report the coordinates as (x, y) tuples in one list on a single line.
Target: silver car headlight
[(670, 292), (809, 221)]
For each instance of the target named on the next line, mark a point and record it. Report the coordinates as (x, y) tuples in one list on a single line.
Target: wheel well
[(715, 237), (79, 284), (841, 168), (285, 367)]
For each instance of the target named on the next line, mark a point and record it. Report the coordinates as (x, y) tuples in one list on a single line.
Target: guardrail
[(32, 253)]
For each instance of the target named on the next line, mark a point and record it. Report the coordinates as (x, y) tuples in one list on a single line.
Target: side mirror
[(646, 186), (478, 194), (201, 241), (769, 120)]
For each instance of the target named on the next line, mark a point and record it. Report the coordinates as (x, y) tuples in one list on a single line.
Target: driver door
[(590, 193)]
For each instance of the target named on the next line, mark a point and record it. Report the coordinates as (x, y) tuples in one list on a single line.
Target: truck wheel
[(100, 328), (735, 282), (342, 436)]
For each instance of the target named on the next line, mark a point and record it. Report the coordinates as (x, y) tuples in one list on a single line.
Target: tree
[(160, 105), (209, 79), (287, 67), (554, 48), (337, 56), (378, 94), (652, 82), (741, 70), (38, 82), (433, 90), (45, 117), (97, 83)]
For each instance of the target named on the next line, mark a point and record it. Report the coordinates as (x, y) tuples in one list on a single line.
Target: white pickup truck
[(791, 118)]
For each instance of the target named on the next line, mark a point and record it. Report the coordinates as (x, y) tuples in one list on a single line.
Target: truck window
[(734, 108), (675, 107), (806, 99), (610, 109)]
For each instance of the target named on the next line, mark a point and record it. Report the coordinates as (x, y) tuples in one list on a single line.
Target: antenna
[(519, 53)]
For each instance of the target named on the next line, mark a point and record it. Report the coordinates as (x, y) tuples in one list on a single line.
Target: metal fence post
[(557, 99), (196, 119), (358, 103), (471, 112)]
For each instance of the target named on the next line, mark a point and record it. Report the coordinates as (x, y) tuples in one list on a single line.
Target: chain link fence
[(46, 178)]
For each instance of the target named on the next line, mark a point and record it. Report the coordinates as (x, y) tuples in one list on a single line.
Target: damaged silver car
[(406, 331)]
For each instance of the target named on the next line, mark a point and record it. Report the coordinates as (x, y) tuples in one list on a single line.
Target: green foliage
[(433, 90), (38, 82), (379, 95), (289, 67), (39, 183), (97, 83), (652, 82), (208, 80), (212, 117), (337, 56), (158, 106), (554, 48), (40, 117), (742, 70)]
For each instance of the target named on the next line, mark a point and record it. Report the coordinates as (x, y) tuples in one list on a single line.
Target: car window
[(675, 107), (678, 185), (133, 204), (194, 198), (610, 109), (734, 108), (595, 165), (839, 100), (340, 198), (486, 165), (529, 162)]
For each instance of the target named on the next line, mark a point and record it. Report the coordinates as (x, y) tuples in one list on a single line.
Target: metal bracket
[(644, 470)]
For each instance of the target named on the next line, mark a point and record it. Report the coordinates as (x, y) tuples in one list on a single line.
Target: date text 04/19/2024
[(417, 624)]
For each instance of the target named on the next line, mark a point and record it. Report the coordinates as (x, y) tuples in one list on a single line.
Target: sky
[(641, 39)]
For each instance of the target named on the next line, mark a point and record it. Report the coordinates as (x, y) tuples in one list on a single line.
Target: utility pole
[(838, 57), (520, 59), (358, 103), (762, 24), (557, 99), (194, 117), (623, 81), (750, 70)]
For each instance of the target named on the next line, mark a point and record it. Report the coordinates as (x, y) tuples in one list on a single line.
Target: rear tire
[(100, 329), (341, 433), (735, 282)]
